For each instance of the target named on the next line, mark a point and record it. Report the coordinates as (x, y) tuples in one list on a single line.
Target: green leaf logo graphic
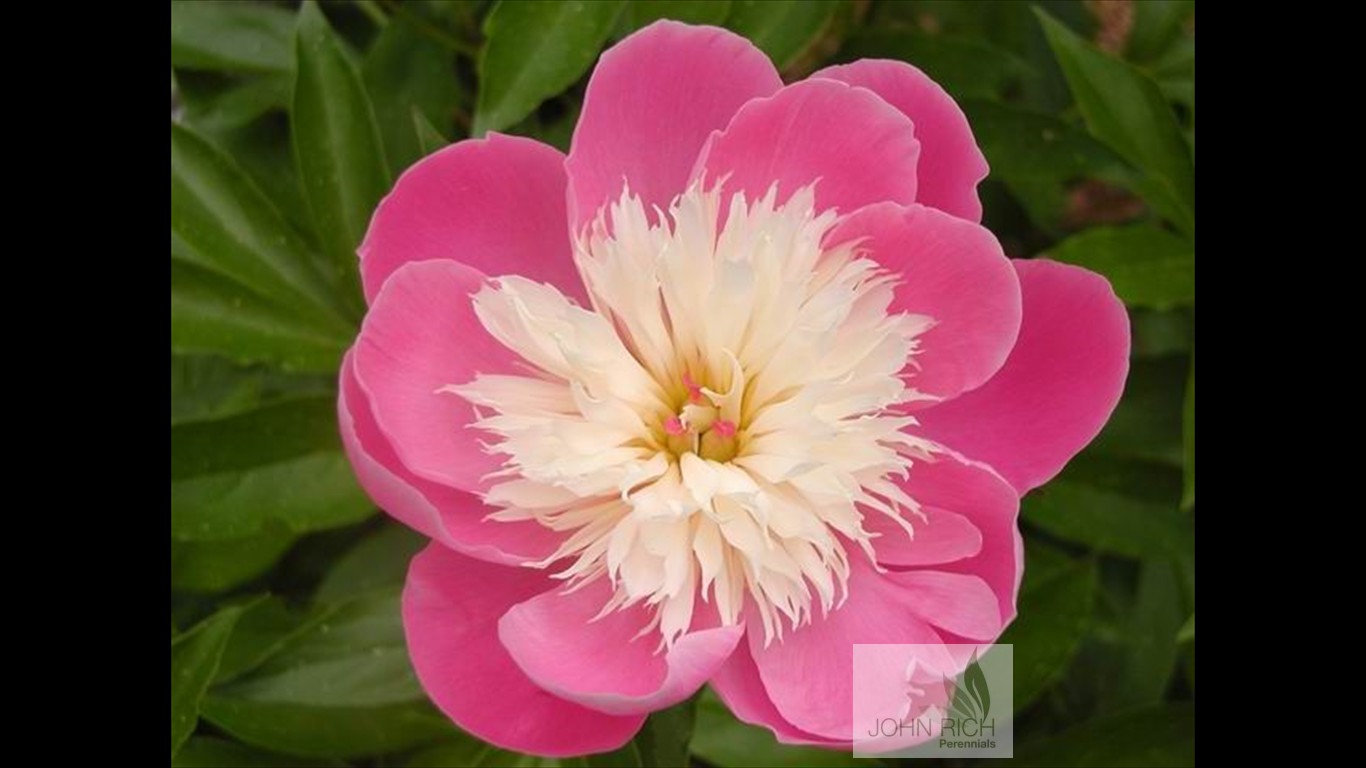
[(972, 699)]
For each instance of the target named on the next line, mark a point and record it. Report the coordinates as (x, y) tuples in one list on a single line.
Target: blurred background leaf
[(337, 148), (195, 656), (535, 51), (277, 464), (642, 13), (1159, 737), (783, 29), (409, 71), (1148, 266), (725, 742), (225, 36), (1125, 109), (1054, 613)]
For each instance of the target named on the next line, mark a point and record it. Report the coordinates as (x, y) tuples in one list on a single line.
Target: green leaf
[(1158, 737), (553, 124), (627, 756), (337, 146), (225, 106), (469, 752), (1125, 109), (1157, 26), (783, 29), (264, 630), (1114, 505), (263, 148), (216, 566), (1039, 158), (283, 463), (212, 315), (221, 223), (377, 561), (1187, 633), (408, 74), (194, 661), (353, 657), (1175, 74), (1148, 640), (663, 741), (315, 731), (1188, 442), (965, 67), (1159, 334), (230, 36), (429, 139), (1148, 266), (205, 387), (535, 51), (209, 752), (342, 687), (1147, 422), (725, 742), (1053, 615), (645, 12)]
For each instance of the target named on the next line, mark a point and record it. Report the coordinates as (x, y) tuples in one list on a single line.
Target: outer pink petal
[(608, 663), (859, 149), (653, 100), (991, 505), (809, 675), (955, 272), (452, 517), (420, 335), (1057, 388), (951, 165), (955, 602), (451, 605), (496, 204), (942, 537), (739, 686)]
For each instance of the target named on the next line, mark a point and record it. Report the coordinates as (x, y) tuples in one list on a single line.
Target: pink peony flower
[(763, 389)]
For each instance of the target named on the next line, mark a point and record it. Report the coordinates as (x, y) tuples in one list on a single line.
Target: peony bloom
[(738, 383)]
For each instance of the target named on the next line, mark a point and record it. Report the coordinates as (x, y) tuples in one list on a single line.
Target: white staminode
[(716, 426)]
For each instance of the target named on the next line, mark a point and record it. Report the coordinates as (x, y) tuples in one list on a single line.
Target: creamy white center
[(716, 426)]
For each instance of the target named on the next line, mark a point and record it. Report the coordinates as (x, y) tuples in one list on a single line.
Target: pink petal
[(653, 100), (958, 603), (452, 517), (495, 204), (992, 507), (955, 272), (809, 675), (942, 537), (951, 165), (1057, 388), (739, 686), (859, 149), (451, 605), (420, 335), (603, 663)]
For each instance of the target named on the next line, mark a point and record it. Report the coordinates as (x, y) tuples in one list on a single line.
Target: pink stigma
[(674, 426), (723, 428), (694, 391)]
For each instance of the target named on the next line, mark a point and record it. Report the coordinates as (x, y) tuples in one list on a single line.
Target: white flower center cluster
[(714, 429)]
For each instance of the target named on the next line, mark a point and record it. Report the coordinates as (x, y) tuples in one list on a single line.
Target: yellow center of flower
[(697, 427)]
